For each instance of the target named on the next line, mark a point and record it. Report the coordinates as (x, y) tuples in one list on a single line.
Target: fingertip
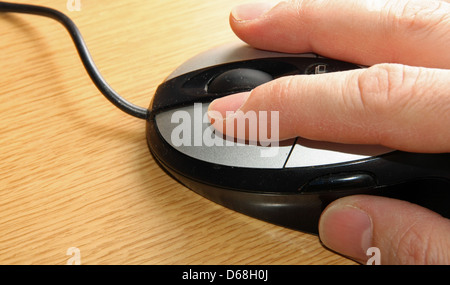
[(402, 232), (229, 104), (251, 11), (262, 25), (225, 108), (347, 230)]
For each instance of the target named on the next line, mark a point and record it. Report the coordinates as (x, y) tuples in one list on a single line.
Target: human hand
[(402, 101)]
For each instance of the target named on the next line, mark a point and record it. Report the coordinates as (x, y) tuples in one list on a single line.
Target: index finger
[(411, 32)]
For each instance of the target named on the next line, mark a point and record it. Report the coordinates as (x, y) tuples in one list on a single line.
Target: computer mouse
[(289, 183)]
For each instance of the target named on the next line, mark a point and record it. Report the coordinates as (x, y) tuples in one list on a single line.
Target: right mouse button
[(308, 153), (238, 80), (339, 182)]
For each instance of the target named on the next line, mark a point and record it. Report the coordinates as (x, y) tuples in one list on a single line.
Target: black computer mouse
[(289, 183)]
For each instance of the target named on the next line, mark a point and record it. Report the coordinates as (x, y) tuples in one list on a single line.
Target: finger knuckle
[(413, 16), (378, 88), (281, 90), (382, 95), (298, 5), (420, 245)]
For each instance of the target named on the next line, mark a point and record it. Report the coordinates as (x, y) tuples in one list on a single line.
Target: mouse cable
[(86, 58)]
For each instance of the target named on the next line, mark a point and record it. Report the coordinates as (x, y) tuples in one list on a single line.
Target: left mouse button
[(238, 80)]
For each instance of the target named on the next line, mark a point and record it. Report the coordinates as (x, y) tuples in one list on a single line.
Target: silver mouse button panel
[(181, 129), (188, 130)]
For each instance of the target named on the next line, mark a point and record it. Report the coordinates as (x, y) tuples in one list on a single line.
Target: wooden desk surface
[(76, 172)]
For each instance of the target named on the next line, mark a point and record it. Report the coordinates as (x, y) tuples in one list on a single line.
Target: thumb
[(403, 232), (400, 107)]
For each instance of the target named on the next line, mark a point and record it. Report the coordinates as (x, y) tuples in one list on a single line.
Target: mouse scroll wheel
[(238, 80)]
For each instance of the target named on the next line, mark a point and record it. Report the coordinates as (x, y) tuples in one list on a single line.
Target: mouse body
[(288, 183)]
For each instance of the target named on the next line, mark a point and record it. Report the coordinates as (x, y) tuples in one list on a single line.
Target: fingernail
[(346, 230), (252, 11), (227, 105)]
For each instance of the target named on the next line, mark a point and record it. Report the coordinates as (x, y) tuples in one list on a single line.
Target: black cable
[(83, 51)]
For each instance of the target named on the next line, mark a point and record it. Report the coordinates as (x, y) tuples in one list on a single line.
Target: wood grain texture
[(76, 172)]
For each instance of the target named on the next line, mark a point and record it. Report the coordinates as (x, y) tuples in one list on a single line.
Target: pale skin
[(402, 101)]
